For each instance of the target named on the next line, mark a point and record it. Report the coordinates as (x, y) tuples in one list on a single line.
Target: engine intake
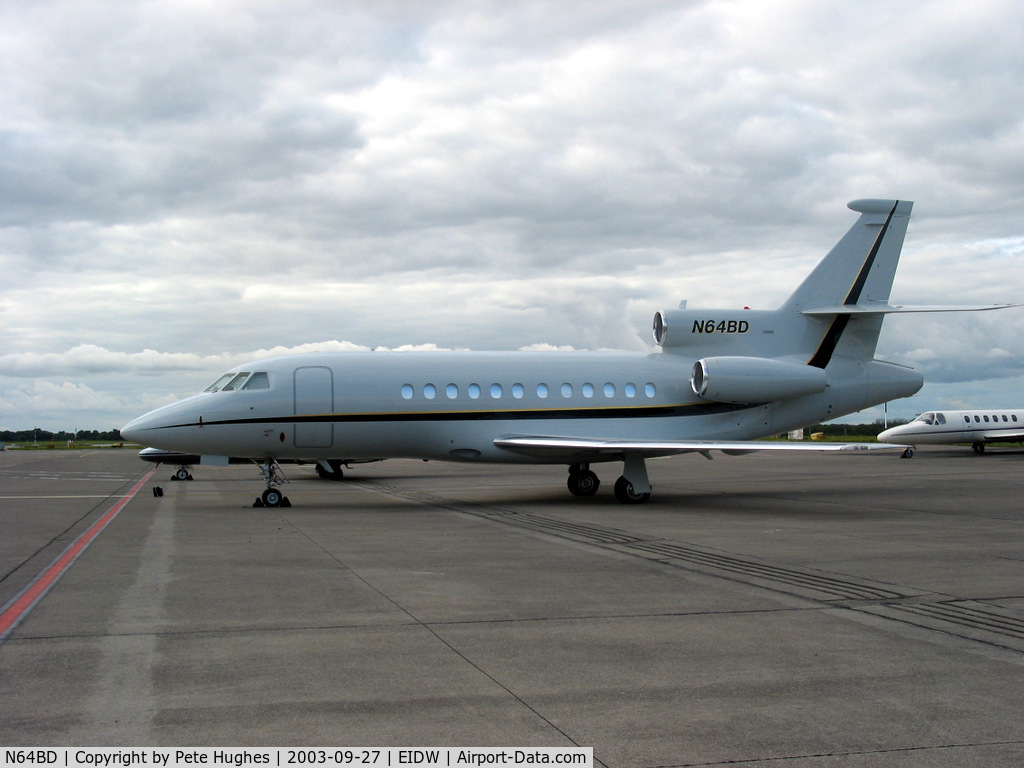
[(744, 380)]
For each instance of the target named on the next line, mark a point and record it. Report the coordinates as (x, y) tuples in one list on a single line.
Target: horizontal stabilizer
[(550, 447), (889, 309)]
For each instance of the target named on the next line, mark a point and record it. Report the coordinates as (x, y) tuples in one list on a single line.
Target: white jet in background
[(952, 427)]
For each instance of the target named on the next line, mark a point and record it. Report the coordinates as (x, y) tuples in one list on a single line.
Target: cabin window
[(407, 391), (567, 390), (986, 418), (587, 389), (650, 390), (429, 391), (967, 419), (474, 391), (452, 390), (518, 390), (542, 390), (495, 391), (977, 419), (1004, 417), (1013, 417), (609, 389), (630, 389), (259, 380)]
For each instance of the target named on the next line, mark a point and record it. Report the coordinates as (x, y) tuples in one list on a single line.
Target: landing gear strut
[(633, 487), (273, 477)]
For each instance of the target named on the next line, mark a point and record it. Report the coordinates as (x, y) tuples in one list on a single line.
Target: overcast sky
[(188, 185)]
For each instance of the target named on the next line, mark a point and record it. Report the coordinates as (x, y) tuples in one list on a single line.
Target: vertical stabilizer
[(841, 296), (837, 310)]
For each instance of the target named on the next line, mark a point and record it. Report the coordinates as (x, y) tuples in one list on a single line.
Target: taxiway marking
[(22, 603)]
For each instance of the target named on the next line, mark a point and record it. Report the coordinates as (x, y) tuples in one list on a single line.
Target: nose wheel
[(272, 498)]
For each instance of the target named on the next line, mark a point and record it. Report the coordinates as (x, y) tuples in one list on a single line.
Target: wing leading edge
[(549, 447)]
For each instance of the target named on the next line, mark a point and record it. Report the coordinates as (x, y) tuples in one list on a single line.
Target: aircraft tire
[(334, 473), (625, 494), (583, 483), (979, 447), (272, 498), (907, 454)]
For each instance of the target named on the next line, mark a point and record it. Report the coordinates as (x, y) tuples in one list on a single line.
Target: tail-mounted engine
[(744, 380), (688, 327)]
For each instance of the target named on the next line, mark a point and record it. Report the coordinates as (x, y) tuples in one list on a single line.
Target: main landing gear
[(632, 488), (582, 481), (330, 469), (273, 477)]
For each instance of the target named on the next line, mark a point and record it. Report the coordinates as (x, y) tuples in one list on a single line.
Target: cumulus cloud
[(182, 185)]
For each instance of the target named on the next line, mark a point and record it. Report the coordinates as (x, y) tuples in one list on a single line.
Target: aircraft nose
[(135, 430), (157, 427), (132, 430), (889, 435)]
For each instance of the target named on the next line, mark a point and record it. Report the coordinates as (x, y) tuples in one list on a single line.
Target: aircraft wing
[(552, 447), (1003, 435)]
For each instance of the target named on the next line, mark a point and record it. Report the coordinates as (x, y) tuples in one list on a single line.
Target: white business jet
[(949, 427), (721, 380)]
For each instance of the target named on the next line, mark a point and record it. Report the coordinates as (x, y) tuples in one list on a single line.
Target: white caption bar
[(296, 757)]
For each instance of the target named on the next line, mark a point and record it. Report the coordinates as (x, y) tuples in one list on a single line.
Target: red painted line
[(19, 607)]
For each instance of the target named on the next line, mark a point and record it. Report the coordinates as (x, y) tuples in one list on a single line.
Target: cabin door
[(314, 396)]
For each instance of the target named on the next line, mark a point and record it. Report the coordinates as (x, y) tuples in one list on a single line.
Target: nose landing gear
[(273, 477), (183, 473)]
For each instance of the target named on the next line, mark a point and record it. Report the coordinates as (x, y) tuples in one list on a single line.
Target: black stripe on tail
[(829, 343)]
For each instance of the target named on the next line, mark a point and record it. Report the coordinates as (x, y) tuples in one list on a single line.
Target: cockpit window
[(229, 382), (236, 382), (220, 382), (259, 380)]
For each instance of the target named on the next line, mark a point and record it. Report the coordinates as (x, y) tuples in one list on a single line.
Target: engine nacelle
[(744, 380), (689, 327)]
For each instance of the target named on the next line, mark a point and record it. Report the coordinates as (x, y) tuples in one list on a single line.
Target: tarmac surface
[(766, 610)]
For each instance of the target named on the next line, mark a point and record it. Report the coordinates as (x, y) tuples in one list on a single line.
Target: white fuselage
[(454, 405), (947, 427)]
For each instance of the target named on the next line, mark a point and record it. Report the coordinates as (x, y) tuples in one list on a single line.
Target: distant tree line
[(850, 430), (46, 436)]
